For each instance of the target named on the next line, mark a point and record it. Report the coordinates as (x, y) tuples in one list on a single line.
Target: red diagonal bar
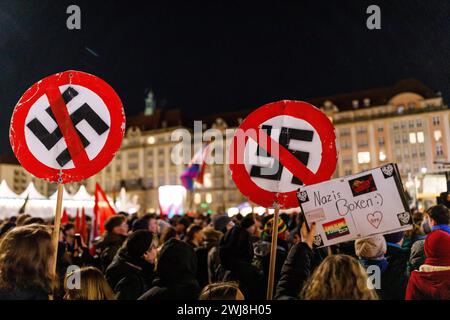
[(285, 157), (65, 124)]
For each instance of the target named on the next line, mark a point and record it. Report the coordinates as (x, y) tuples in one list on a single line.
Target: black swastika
[(50, 139), (286, 135)]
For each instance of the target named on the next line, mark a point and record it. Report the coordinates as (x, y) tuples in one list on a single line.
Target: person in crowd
[(116, 233), (397, 257), (132, 270), (21, 218), (69, 236), (194, 236), (167, 234), (432, 280), (199, 219), (297, 266), (33, 220), (371, 252), (92, 285), (437, 218), (210, 241), (417, 232), (222, 223), (221, 291), (176, 270), (338, 277), (236, 255), (181, 226), (262, 249), (5, 227), (25, 271)]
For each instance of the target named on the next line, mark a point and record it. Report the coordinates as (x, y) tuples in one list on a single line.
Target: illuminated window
[(197, 198), (412, 138), (208, 198), (363, 157), (382, 156), (437, 135), (420, 137), (151, 140)]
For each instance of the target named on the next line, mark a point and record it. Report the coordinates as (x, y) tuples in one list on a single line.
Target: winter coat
[(295, 272), (213, 264), (433, 284), (176, 271), (262, 258), (202, 253), (393, 277), (129, 277), (236, 255), (108, 247)]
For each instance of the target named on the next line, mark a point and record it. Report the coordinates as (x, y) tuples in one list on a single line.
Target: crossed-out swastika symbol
[(286, 135), (50, 139)]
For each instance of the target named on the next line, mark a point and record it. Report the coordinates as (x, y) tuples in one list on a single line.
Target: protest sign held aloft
[(67, 127), (357, 206), (279, 147)]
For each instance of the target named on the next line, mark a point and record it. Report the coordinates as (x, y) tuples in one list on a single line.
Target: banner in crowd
[(357, 206)]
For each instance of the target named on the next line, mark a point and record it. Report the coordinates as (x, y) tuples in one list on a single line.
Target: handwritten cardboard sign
[(357, 206)]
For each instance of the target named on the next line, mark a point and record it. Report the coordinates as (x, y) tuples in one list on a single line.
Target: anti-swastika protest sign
[(67, 127), (279, 147), (357, 206)]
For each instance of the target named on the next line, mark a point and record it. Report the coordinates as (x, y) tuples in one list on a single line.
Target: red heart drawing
[(375, 219)]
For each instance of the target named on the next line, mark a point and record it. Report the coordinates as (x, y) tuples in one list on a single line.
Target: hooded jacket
[(176, 270), (129, 277), (236, 255)]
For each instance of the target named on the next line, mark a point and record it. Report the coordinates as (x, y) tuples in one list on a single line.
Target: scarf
[(442, 227)]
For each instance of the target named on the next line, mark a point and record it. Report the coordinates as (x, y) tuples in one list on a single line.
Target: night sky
[(207, 56)]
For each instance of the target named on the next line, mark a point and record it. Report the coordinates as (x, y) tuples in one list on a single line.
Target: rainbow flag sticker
[(335, 229)]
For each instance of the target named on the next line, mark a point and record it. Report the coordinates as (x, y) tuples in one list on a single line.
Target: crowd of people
[(211, 257)]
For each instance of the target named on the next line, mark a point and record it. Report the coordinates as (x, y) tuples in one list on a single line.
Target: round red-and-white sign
[(279, 147), (67, 127)]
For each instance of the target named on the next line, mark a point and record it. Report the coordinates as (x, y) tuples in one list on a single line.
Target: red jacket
[(433, 285)]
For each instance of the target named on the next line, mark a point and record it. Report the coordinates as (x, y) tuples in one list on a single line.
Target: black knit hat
[(247, 221), (138, 243)]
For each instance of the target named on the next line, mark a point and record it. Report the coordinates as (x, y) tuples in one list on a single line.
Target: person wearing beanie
[(371, 253), (437, 218), (222, 223), (432, 280), (132, 270)]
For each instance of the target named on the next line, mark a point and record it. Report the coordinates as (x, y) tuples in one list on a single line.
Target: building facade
[(407, 123)]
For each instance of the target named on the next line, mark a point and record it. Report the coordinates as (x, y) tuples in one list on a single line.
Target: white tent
[(82, 195), (6, 192), (31, 193), (66, 195)]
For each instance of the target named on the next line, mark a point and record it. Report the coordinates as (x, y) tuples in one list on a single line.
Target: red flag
[(77, 222), (64, 217), (102, 208), (83, 226)]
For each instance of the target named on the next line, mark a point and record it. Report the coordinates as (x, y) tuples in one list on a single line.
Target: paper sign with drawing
[(352, 207)]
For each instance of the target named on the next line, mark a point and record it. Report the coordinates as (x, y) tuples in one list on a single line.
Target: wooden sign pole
[(273, 253), (57, 225)]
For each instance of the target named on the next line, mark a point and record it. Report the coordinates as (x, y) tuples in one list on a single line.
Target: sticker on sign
[(278, 148)]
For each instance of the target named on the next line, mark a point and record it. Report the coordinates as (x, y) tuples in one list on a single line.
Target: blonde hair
[(93, 286), (338, 277)]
